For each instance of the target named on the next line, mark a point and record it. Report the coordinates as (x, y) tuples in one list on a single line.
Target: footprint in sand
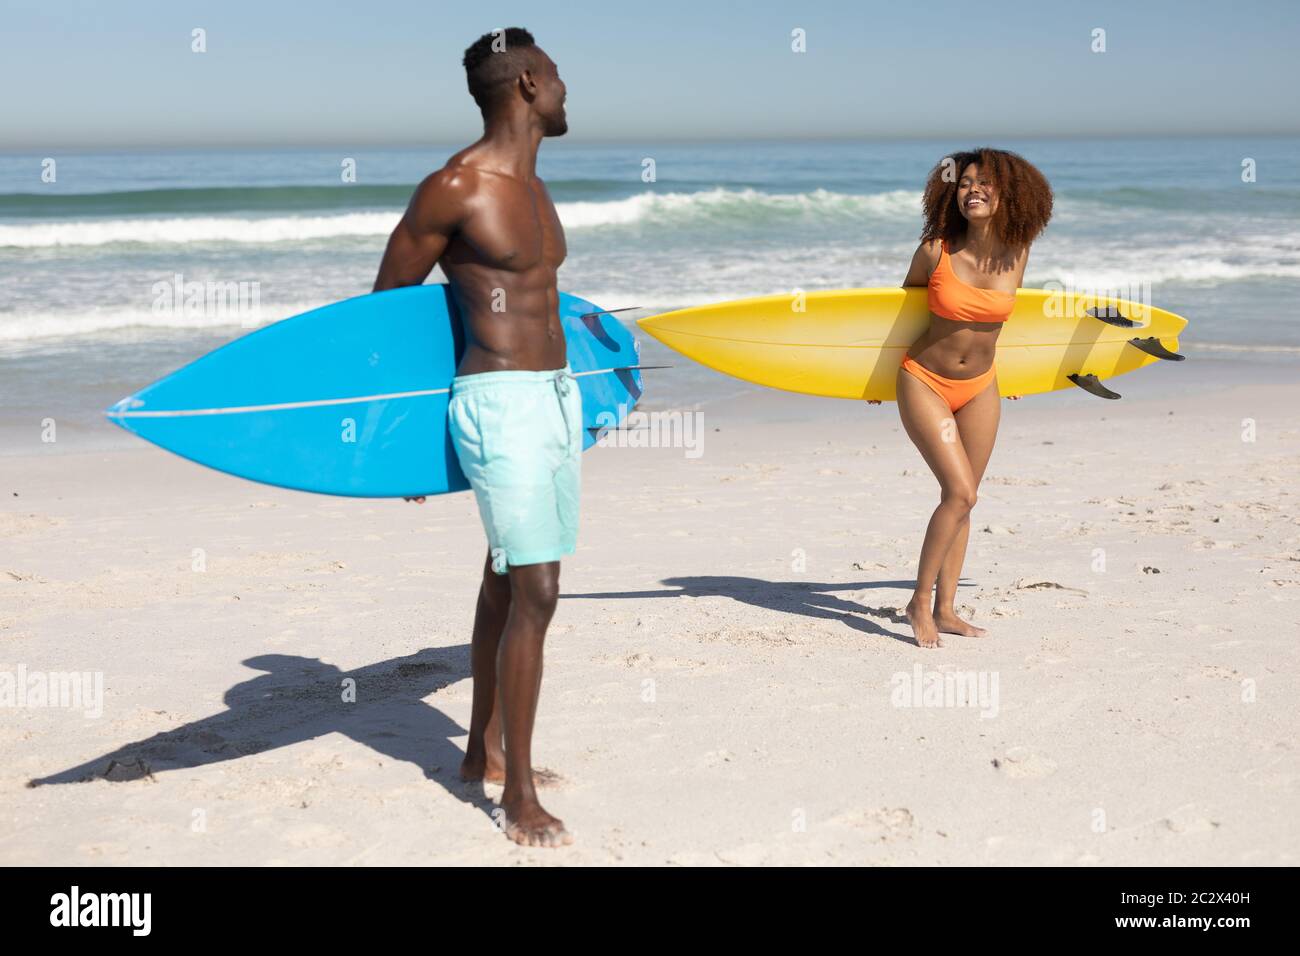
[(1187, 820), (12, 577), (105, 849), (895, 615), (751, 854), (1028, 584), (714, 758), (543, 779), (1222, 673), (16, 524), (312, 835), (130, 770), (869, 566), (884, 825), (1021, 762)]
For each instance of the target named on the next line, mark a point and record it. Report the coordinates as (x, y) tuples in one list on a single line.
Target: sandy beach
[(729, 678)]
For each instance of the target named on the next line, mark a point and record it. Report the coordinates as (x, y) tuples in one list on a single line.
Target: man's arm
[(436, 211)]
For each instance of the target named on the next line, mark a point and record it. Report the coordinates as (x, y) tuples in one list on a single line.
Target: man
[(515, 413)]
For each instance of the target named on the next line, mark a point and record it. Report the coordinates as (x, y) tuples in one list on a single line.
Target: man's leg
[(534, 590), (484, 757)]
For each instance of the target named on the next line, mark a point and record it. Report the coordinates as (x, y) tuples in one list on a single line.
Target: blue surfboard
[(351, 399)]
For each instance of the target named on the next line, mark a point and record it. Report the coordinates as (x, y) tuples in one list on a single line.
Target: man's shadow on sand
[(811, 599), (300, 698)]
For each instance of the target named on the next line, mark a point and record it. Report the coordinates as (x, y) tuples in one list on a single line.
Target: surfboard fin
[(592, 321), (598, 432), (629, 383), (1152, 346), (592, 315), (1111, 315), (620, 368), (1092, 384)]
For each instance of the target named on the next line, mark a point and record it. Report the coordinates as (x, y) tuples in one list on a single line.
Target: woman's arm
[(1021, 261), (924, 260)]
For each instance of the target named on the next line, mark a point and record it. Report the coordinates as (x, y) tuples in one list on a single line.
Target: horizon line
[(169, 146)]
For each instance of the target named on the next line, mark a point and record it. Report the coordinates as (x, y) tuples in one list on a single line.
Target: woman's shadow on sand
[(808, 598), (297, 699)]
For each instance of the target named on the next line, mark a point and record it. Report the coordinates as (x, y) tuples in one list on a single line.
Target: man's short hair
[(495, 60)]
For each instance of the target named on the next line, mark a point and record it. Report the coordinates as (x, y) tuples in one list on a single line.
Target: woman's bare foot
[(922, 621), (529, 825), (948, 622)]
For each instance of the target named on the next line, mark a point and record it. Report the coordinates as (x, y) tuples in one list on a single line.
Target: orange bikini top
[(951, 298)]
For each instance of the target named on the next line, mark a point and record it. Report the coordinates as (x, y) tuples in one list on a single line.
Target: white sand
[(705, 700)]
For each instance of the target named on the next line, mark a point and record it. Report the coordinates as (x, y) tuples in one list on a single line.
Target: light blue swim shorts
[(518, 436)]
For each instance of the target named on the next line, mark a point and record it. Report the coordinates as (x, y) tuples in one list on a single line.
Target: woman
[(982, 210)]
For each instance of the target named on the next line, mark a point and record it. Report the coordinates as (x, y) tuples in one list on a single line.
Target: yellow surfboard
[(848, 343)]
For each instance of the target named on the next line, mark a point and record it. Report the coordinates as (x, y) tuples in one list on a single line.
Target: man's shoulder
[(443, 198), (454, 179)]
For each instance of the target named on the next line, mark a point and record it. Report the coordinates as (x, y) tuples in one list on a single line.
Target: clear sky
[(387, 72)]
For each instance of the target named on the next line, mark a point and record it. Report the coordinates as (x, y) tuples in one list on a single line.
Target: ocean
[(89, 261)]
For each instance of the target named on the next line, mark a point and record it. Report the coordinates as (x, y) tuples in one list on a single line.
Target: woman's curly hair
[(1024, 197)]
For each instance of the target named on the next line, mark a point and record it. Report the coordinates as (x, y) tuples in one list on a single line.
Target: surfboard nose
[(115, 410), (656, 323)]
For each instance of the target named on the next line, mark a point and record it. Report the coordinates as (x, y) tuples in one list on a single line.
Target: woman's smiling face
[(976, 197)]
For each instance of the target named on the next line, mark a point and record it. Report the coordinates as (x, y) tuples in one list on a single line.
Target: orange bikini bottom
[(955, 391)]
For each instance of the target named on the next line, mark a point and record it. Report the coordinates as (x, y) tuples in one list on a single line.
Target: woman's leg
[(933, 429), (977, 423)]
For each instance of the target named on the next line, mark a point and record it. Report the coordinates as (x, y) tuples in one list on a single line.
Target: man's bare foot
[(485, 769), (473, 768), (529, 825), (922, 621), (949, 623)]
